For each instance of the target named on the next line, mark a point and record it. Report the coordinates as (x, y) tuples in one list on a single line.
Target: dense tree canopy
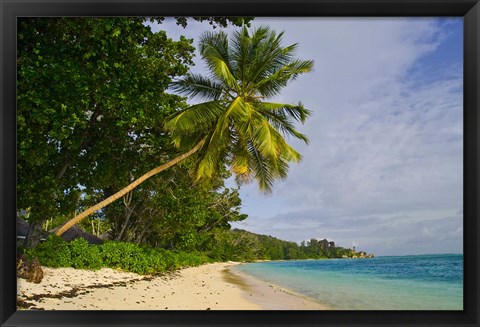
[(90, 107)]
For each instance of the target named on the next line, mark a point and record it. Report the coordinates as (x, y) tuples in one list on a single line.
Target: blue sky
[(384, 167)]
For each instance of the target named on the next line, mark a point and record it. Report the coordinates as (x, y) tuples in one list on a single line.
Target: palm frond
[(270, 142), (297, 112), (268, 55), (194, 120), (262, 169), (274, 81), (240, 52), (196, 85), (240, 129), (214, 49), (240, 161), (212, 155), (284, 125)]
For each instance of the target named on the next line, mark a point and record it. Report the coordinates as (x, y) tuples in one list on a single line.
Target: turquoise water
[(420, 282)]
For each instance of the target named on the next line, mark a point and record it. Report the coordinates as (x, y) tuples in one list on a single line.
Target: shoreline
[(271, 296), (212, 286)]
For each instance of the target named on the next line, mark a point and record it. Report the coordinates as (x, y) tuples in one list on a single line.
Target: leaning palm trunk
[(126, 190)]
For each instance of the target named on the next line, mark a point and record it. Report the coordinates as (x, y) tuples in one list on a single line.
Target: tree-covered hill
[(243, 245)]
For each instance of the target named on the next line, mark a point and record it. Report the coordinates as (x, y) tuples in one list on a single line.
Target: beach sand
[(208, 287)]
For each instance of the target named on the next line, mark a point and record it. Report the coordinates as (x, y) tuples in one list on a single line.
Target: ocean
[(414, 282)]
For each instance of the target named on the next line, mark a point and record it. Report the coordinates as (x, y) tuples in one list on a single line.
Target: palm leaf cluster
[(236, 121)]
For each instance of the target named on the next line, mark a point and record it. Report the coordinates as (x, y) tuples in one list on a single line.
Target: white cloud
[(383, 141)]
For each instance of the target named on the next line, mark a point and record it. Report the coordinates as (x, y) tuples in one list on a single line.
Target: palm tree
[(236, 124)]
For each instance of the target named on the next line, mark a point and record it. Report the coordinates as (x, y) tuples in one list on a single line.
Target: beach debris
[(29, 269), (22, 305)]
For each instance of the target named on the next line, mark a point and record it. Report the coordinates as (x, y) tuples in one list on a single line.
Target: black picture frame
[(468, 9)]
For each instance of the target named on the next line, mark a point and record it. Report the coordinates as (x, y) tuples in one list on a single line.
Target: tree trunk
[(34, 234), (127, 189), (129, 212)]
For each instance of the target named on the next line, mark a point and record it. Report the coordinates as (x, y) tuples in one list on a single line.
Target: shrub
[(55, 252), (116, 254), (84, 255)]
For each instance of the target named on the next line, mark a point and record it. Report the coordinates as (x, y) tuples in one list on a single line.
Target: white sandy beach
[(208, 287)]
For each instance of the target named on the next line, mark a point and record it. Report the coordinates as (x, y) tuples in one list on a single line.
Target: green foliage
[(132, 257), (91, 100), (55, 252), (241, 245), (217, 21), (83, 255), (113, 254)]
